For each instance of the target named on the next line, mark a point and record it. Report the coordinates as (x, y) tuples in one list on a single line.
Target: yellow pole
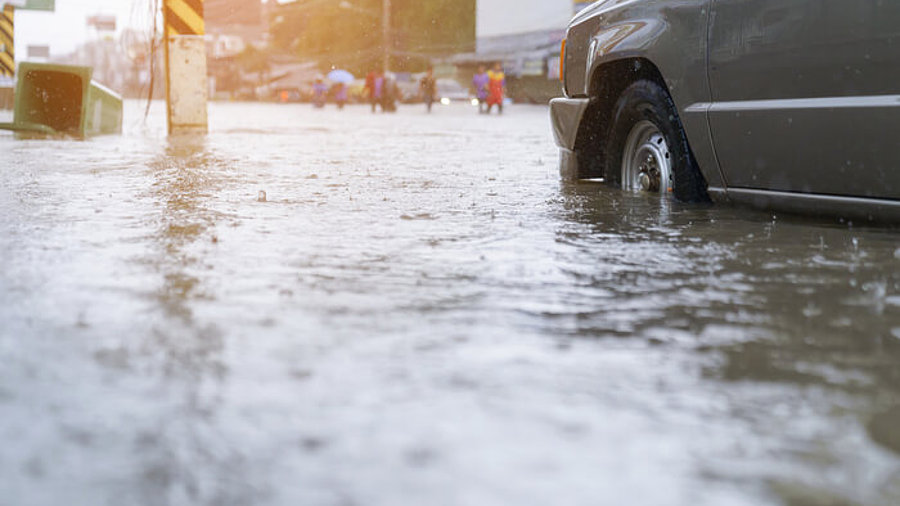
[(7, 41), (186, 78)]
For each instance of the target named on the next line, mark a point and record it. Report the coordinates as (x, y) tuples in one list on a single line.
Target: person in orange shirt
[(496, 88)]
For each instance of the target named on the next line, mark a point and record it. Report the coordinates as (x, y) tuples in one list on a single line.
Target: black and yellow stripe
[(184, 17), (7, 39)]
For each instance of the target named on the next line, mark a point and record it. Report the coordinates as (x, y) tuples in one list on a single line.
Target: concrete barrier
[(62, 100)]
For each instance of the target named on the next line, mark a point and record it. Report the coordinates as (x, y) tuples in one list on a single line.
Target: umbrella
[(340, 76)]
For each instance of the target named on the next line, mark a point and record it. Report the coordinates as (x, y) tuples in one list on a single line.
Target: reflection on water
[(185, 460), (771, 303), (185, 175), (429, 320)]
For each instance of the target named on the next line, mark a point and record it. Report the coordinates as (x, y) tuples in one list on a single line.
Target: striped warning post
[(7, 47), (187, 83), (184, 17)]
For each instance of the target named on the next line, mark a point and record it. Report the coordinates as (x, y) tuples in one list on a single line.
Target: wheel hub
[(646, 160)]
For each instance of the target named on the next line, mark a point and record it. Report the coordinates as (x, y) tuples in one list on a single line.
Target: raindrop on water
[(812, 311)]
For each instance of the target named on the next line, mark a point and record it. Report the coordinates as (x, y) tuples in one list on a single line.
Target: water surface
[(419, 313)]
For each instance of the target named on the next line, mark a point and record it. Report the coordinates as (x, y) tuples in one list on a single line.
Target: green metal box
[(62, 100)]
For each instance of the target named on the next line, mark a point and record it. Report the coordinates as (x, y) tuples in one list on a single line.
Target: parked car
[(779, 104), (409, 92), (449, 90)]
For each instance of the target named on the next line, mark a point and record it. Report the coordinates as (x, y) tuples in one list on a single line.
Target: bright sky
[(65, 29)]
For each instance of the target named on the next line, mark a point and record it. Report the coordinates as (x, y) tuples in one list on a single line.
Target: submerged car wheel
[(646, 160), (647, 149)]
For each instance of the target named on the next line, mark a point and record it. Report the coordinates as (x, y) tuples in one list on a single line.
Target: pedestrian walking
[(428, 87), (496, 88), (319, 93), (480, 83), (340, 95), (370, 85), (390, 93), (375, 89)]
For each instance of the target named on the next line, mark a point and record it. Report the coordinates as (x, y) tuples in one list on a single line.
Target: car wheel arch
[(607, 82)]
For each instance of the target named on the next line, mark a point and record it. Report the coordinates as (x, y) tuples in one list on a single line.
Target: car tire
[(647, 149)]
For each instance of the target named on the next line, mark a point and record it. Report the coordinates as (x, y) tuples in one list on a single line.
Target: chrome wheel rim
[(646, 160)]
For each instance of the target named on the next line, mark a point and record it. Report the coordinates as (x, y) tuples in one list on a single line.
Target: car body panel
[(566, 117), (847, 207), (806, 95)]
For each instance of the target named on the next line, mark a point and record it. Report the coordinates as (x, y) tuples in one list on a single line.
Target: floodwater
[(416, 312)]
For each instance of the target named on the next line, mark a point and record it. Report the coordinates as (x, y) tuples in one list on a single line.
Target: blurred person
[(480, 83), (380, 92), (375, 89), (370, 84), (496, 88), (428, 87), (339, 91), (390, 94), (319, 93)]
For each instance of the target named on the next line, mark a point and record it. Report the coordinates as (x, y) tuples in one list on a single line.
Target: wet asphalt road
[(419, 313)]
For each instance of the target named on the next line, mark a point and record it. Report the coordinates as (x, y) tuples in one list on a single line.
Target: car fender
[(672, 36)]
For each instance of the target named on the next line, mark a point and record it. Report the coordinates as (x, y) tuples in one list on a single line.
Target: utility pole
[(187, 84), (386, 25)]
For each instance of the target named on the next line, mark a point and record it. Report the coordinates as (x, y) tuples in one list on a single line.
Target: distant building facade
[(232, 27)]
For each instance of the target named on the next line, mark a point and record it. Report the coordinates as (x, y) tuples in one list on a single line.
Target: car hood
[(602, 5)]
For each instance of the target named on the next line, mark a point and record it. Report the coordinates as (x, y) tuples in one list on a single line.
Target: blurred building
[(220, 13), (231, 25), (525, 36), (233, 28), (123, 64)]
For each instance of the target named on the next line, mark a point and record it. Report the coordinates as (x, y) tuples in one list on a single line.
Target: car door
[(806, 95)]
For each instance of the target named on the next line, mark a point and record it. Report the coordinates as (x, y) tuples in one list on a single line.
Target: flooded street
[(417, 312)]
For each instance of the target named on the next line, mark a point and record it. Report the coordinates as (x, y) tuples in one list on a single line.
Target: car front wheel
[(647, 149)]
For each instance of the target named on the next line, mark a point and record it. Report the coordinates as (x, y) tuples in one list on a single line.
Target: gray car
[(785, 104)]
